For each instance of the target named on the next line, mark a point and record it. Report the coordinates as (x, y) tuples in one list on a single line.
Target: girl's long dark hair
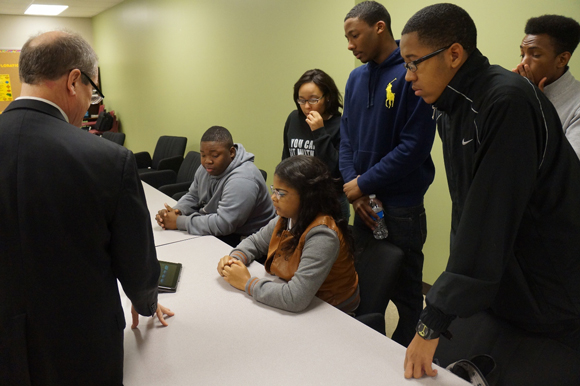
[(317, 190)]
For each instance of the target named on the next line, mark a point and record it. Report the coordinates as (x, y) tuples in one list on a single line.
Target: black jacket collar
[(460, 85), (32, 104)]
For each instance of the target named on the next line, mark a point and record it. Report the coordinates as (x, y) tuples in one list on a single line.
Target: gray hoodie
[(237, 201)]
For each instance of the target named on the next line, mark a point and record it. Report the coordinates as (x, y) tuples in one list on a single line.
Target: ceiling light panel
[(46, 10)]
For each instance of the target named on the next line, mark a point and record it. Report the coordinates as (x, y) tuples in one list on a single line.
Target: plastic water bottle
[(380, 232)]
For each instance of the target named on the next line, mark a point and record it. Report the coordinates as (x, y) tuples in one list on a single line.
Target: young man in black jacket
[(515, 185)]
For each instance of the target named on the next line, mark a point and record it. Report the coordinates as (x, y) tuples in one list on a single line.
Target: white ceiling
[(76, 8)]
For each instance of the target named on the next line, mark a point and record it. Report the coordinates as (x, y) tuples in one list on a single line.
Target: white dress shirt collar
[(46, 101)]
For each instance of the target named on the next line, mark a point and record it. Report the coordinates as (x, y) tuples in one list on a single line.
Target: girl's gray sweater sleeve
[(320, 251), (256, 245)]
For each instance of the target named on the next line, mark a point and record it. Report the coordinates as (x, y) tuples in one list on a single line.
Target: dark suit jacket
[(73, 219)]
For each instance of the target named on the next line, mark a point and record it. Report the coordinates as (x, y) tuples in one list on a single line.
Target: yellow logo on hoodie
[(390, 102)]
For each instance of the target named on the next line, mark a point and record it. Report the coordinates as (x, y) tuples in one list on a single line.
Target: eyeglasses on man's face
[(311, 101), (412, 66), (97, 95), (277, 192)]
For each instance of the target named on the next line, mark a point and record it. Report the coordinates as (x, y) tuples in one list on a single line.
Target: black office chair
[(168, 155), (185, 176), (169, 182), (118, 138), (264, 174), (377, 263), (105, 121)]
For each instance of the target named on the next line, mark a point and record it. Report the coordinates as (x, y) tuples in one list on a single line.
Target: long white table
[(155, 200), (221, 336)]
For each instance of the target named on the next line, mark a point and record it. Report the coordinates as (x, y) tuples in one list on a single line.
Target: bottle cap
[(371, 196)]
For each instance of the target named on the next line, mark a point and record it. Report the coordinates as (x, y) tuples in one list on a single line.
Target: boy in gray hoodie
[(228, 197)]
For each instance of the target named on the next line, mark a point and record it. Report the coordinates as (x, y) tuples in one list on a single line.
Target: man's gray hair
[(49, 58)]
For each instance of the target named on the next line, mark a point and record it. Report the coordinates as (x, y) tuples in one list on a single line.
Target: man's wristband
[(425, 332), (428, 334)]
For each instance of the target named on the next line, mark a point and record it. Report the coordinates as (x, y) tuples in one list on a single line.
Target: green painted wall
[(179, 66)]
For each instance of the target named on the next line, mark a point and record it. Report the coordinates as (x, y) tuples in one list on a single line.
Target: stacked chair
[(168, 155), (264, 174), (118, 138), (175, 184)]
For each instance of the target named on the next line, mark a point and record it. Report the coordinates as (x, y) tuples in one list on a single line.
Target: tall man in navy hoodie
[(386, 138)]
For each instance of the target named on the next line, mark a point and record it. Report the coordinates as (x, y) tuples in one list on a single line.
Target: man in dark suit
[(74, 220)]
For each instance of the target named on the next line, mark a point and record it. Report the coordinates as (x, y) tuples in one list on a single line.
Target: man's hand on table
[(419, 357), (167, 218), (159, 313)]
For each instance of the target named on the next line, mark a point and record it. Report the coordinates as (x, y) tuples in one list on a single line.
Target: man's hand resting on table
[(167, 218), (419, 357), (159, 313)]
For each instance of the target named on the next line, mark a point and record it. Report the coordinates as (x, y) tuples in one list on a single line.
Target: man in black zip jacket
[(513, 275)]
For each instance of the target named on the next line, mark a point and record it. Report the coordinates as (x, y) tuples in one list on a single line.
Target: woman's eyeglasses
[(277, 192), (311, 101)]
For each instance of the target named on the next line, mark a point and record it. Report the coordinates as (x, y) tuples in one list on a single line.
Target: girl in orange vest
[(307, 245)]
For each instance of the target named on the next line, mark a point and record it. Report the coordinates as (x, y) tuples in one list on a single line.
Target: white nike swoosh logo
[(464, 142)]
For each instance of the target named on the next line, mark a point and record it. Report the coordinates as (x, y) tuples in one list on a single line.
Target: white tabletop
[(155, 202), (222, 336)]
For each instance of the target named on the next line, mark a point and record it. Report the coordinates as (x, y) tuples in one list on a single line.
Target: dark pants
[(407, 230), (522, 358), (344, 206)]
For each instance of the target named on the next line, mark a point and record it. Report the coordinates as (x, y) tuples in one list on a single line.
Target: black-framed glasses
[(277, 192), (412, 66), (311, 101), (97, 95)]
